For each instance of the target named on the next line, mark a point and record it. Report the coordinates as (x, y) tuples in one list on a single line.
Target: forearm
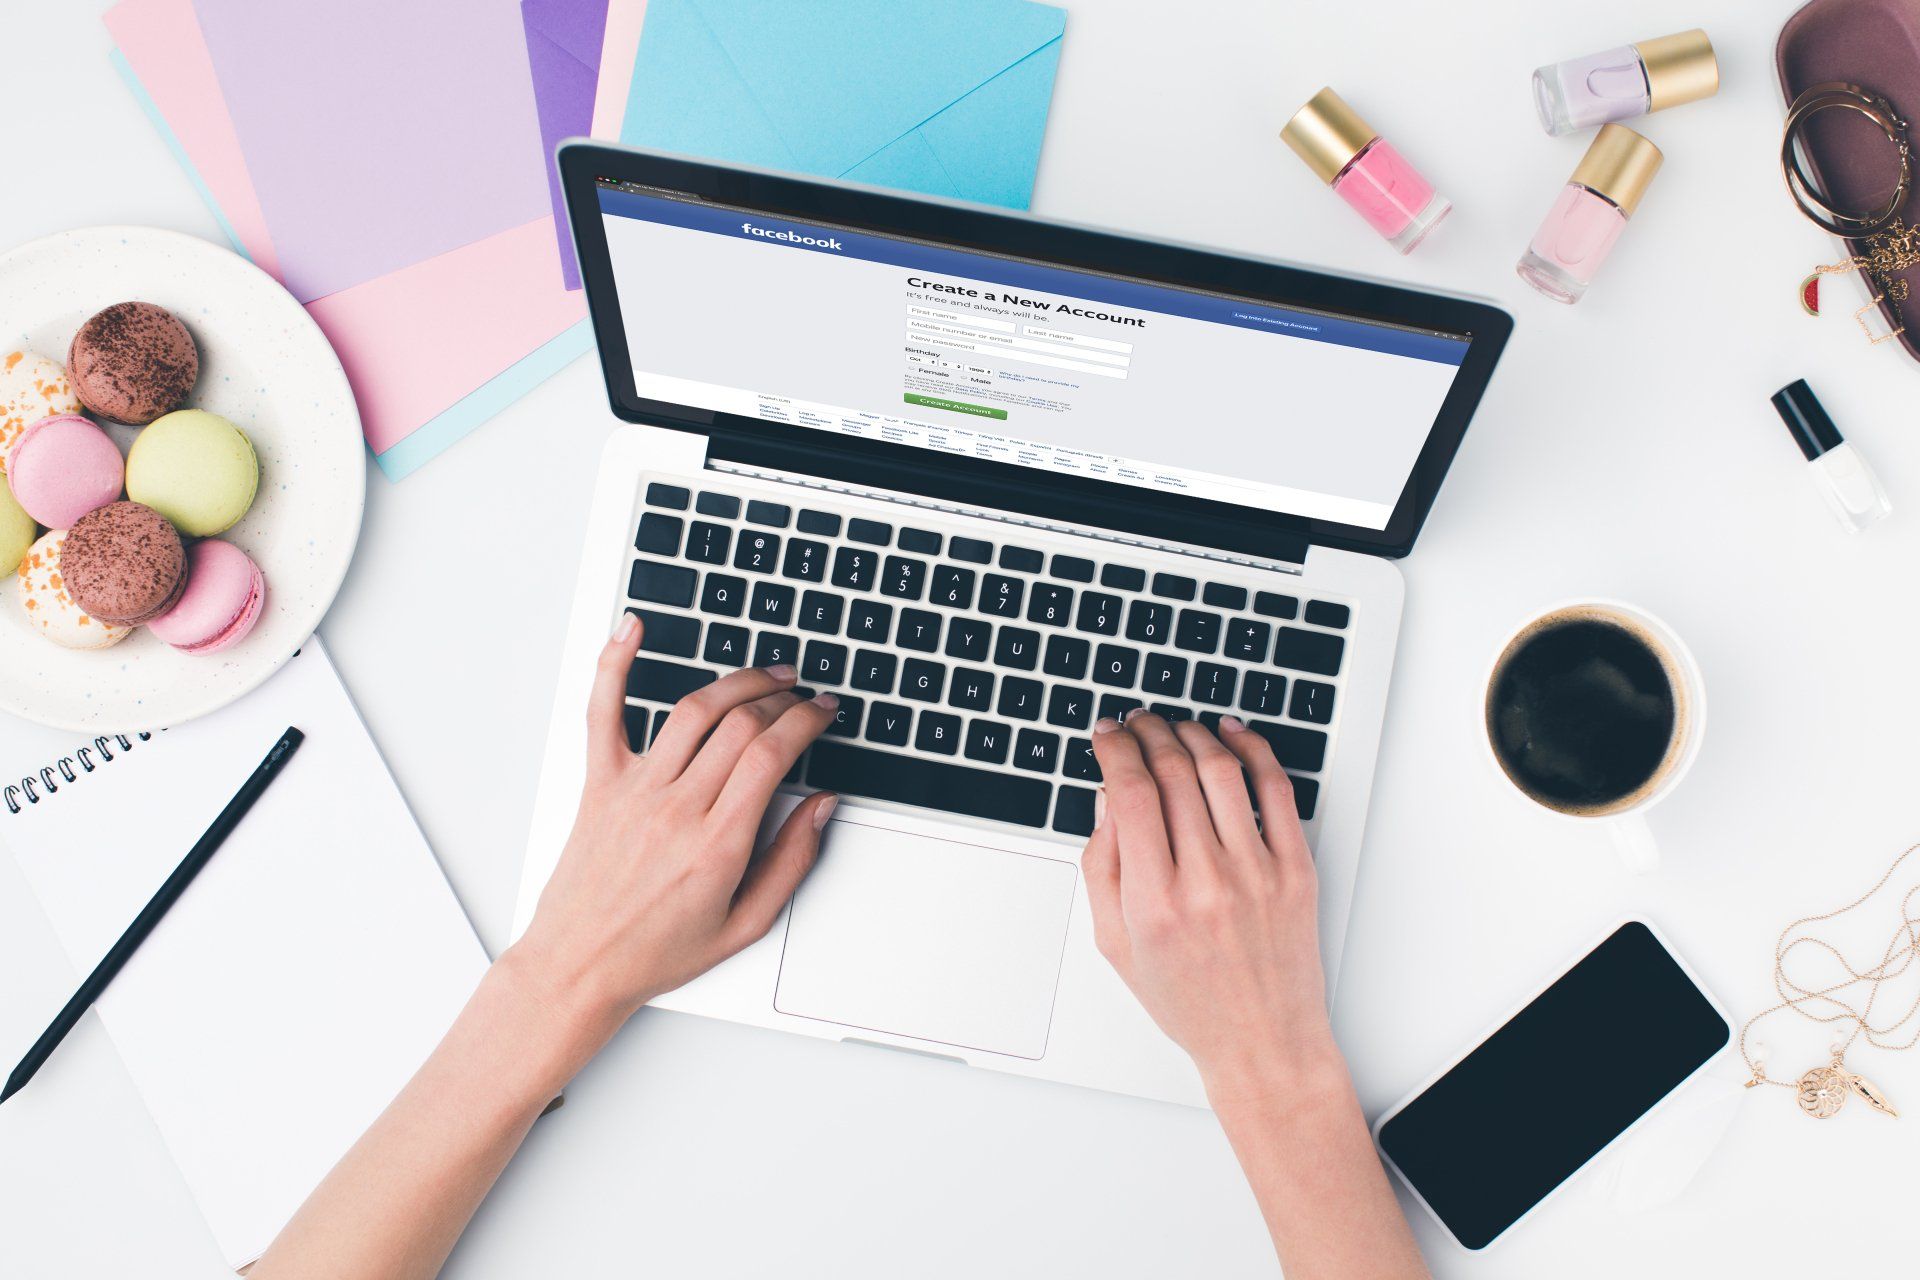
[(396, 1203), (1302, 1140)]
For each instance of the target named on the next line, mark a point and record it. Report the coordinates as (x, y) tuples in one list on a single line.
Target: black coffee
[(1581, 713)]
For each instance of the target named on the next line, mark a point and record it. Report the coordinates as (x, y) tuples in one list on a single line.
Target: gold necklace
[(1822, 1091), (1888, 254)]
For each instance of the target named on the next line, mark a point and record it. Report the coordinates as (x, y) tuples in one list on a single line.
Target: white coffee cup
[(1623, 816)]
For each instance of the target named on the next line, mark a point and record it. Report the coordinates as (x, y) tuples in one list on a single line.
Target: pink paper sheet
[(618, 49), (413, 342)]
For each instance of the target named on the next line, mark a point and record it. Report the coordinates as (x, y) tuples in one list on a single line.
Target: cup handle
[(1634, 839)]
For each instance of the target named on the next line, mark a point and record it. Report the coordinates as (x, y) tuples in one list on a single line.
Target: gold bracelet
[(1851, 97)]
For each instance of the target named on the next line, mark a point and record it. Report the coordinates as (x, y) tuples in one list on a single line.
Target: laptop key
[(904, 578), (887, 723), (1213, 684), (726, 645), (1173, 586), (1067, 657), (1123, 577), (1079, 762), (846, 716), (668, 633), (1170, 713), (707, 542), (1306, 792), (1149, 622), (1199, 631), (775, 515), (873, 671), (823, 523), (1314, 651), (1222, 596), (1324, 613), (1019, 698), (1051, 604), (820, 612), (1114, 706), (969, 638), (938, 733), (806, 560), (1165, 675), (1037, 751), (1264, 693), (922, 680), (855, 569), (1072, 568), (971, 689), (1099, 613), (1115, 665), (1312, 702), (929, 784), (775, 648), (952, 586), (661, 583), (972, 550), (666, 495), (1275, 605), (658, 535), (653, 680), (824, 662), (873, 532), (1073, 811), (723, 594), (988, 741), (758, 552), (1021, 559), (1017, 648), (772, 604), (1001, 595), (870, 620), (1247, 640), (919, 630), (1299, 749), (921, 541), (634, 717), (724, 505), (1070, 707)]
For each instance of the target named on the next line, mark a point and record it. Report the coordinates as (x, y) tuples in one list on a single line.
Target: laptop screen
[(1018, 362)]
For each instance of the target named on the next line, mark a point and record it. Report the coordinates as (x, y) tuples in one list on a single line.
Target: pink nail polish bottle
[(1590, 214), (1365, 169)]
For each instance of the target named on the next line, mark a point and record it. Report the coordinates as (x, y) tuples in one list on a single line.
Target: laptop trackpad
[(936, 939)]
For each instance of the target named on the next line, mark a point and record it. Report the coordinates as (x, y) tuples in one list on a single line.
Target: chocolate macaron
[(124, 564), (133, 362)]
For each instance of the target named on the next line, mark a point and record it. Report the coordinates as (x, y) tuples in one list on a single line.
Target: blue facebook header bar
[(1054, 281)]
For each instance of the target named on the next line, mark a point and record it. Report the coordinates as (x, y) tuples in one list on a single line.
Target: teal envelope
[(944, 97)]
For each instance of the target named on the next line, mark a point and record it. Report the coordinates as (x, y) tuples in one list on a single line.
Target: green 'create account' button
[(956, 406)]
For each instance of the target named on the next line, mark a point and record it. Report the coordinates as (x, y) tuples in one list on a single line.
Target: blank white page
[(305, 974)]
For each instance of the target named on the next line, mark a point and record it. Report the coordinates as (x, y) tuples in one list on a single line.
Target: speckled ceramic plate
[(265, 365)]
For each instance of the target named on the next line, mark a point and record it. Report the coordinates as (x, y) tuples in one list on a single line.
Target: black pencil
[(158, 906)]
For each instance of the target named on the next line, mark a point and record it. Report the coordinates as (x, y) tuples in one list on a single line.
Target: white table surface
[(1626, 449)]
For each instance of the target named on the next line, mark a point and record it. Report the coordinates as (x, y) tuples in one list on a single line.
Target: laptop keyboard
[(970, 671)]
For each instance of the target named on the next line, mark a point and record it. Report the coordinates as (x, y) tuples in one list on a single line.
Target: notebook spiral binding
[(37, 786)]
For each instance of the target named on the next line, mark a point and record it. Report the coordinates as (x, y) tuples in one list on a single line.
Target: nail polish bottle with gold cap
[(1365, 170), (1590, 214), (1626, 82)]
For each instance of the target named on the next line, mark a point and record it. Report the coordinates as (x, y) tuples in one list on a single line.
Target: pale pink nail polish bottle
[(1365, 169), (1590, 214)]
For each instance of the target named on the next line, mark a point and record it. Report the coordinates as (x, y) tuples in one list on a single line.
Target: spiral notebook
[(303, 977)]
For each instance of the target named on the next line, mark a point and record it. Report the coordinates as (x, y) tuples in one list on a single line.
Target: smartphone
[(1490, 1137)]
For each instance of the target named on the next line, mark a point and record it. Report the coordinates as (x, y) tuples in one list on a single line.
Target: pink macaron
[(224, 597), (63, 467)]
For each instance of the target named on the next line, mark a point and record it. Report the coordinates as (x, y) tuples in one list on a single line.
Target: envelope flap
[(839, 85), (577, 26)]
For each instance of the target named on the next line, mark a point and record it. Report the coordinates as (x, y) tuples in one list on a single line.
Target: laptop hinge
[(1007, 517)]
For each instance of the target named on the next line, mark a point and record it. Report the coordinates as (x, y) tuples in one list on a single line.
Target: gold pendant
[(1824, 1090)]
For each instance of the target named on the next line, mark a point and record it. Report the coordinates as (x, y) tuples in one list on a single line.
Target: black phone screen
[(1541, 1096)]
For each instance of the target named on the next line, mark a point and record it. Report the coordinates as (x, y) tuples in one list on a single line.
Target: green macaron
[(17, 531), (196, 469)]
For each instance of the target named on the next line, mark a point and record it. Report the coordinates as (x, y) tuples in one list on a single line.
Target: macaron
[(225, 595), (133, 362), (61, 468), (17, 531), (52, 611), (124, 564), (196, 469), (31, 388)]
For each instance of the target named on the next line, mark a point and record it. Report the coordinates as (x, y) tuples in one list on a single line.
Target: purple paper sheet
[(378, 132), (563, 50)]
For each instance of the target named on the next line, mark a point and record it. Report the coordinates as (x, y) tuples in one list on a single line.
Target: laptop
[(988, 478)]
